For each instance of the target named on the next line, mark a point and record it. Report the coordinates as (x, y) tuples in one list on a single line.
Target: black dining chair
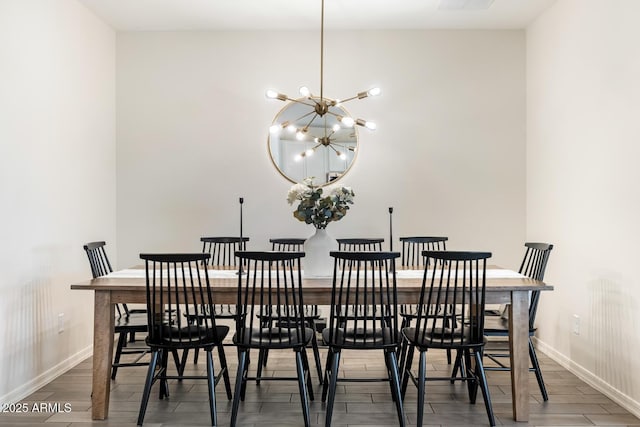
[(221, 252), (272, 279), (360, 244), (173, 281), (287, 244), (127, 322), (456, 280), (362, 279), (412, 249), (311, 312), (533, 265)]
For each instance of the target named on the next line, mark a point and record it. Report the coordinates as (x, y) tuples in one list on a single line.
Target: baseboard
[(602, 386), (46, 377)]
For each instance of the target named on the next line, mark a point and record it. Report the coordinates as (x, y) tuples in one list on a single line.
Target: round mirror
[(305, 141)]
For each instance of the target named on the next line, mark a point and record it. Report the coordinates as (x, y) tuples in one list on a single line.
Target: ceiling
[(207, 15)]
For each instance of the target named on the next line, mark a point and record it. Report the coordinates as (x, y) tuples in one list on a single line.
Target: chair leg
[(407, 369), (472, 381), (122, 339), (448, 356), (458, 365), (395, 385), (387, 364), (327, 368), (307, 370), (147, 386), (211, 382), (262, 361), (403, 356), (422, 380), (333, 382), (482, 380), (164, 384), (316, 356), (245, 375), (240, 375), (183, 360), (537, 371), (302, 386), (177, 362), (225, 370)]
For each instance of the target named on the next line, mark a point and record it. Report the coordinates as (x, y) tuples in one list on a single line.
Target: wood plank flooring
[(276, 403)]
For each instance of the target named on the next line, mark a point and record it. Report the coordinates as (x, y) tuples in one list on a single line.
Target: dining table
[(128, 286)]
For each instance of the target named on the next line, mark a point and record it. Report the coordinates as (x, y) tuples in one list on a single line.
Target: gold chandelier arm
[(307, 115), (304, 153), (297, 101), (310, 121)]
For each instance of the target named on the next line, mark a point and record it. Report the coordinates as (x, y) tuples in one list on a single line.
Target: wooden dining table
[(502, 287)]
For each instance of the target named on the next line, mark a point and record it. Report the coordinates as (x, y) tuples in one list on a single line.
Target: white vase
[(317, 262)]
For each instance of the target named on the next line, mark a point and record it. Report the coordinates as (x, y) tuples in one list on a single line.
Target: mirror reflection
[(304, 144)]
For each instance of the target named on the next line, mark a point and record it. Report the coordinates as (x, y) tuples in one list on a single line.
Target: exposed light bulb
[(368, 125), (291, 128), (304, 91), (275, 129), (341, 155), (336, 127), (347, 121), (272, 94), (300, 135), (297, 157), (374, 91), (309, 152)]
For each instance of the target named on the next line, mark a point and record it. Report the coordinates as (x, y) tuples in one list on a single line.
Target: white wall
[(57, 182), (449, 152), (583, 145)]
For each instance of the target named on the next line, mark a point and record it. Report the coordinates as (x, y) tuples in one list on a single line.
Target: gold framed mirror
[(304, 144)]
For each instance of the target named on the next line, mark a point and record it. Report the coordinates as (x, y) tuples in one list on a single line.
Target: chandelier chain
[(321, 49)]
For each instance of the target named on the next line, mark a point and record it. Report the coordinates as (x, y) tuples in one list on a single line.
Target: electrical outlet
[(576, 324), (60, 323)]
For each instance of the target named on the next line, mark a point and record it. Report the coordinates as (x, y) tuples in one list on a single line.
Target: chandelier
[(321, 120)]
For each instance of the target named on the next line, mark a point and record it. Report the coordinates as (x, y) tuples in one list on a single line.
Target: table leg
[(103, 325), (519, 353)]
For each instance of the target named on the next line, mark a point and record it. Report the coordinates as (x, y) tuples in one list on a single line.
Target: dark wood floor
[(571, 402)]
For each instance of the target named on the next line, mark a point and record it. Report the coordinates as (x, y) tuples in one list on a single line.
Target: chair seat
[(497, 326), (440, 338), (359, 338), (310, 313), (172, 334), (131, 323), (274, 338)]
